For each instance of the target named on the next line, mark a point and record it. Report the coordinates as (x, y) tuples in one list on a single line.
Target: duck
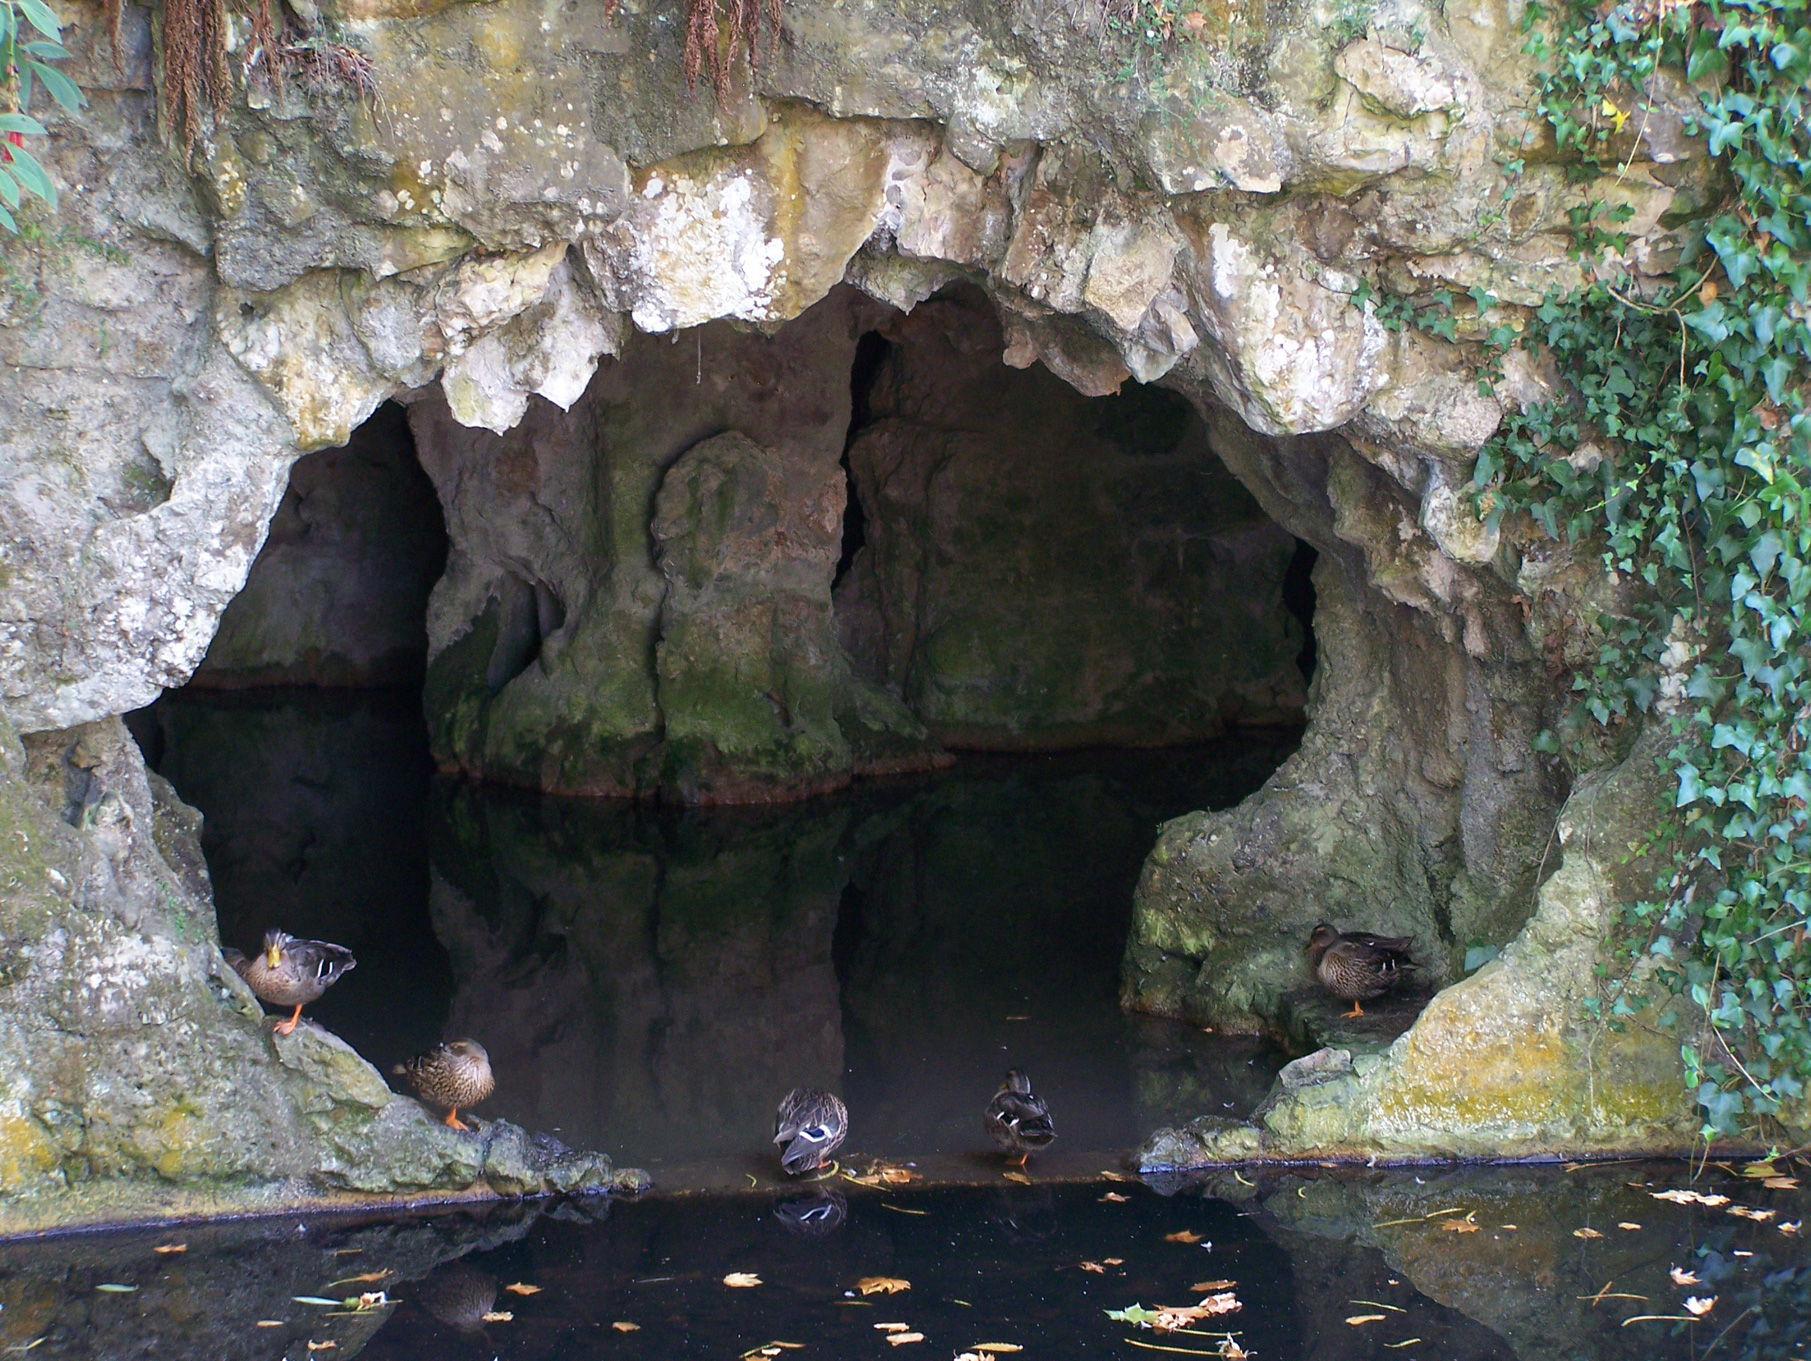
[(454, 1074), (290, 972), (1355, 965), (810, 1125), (1017, 1121)]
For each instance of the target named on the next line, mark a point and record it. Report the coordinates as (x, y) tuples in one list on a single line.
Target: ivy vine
[(1683, 448)]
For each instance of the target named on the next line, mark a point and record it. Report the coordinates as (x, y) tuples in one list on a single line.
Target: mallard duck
[(1355, 965), (1018, 1121), (454, 1074), (810, 1125), (814, 1216), (289, 972)]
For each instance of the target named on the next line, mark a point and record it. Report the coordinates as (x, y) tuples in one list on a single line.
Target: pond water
[(649, 981), (1567, 1266)]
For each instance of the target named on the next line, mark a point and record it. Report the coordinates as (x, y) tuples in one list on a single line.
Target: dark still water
[(1568, 1266), (649, 982)]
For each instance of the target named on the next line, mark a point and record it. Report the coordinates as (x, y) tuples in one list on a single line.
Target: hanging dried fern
[(718, 32), (196, 77)]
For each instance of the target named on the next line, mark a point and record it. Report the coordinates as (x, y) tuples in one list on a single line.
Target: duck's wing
[(320, 960), (1380, 961), (1028, 1115), (1398, 946)]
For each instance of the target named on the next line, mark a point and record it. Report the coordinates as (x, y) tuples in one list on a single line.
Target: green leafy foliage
[(1682, 448), (30, 39)]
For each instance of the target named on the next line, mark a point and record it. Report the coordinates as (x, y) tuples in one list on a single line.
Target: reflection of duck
[(1024, 1214), (459, 1295), (813, 1216), (289, 972), (1018, 1121), (1356, 966), (810, 1125), (452, 1075)]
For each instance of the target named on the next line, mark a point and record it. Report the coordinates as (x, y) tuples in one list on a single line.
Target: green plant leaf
[(41, 18), (61, 87)]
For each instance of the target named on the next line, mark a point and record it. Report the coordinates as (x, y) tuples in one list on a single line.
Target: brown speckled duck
[(454, 1075), (289, 972), (1356, 966), (810, 1125), (1017, 1121)]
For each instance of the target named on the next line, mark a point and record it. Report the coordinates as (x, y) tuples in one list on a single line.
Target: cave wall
[(1044, 570), (526, 187)]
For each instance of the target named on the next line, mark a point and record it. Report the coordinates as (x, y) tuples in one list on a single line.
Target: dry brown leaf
[(1356, 1319), (1586, 1233), (322, 1346), (1182, 1236), (1683, 1277), (741, 1280), (522, 1288), (894, 1327), (1209, 1287), (624, 1326), (1019, 1177), (1699, 1307), (1781, 1183), (499, 1316), (900, 1339), (1690, 1198), (1232, 1351), (270, 1323), (1117, 1176), (1458, 1226), (1094, 1267), (170, 1247), (365, 1279), (1114, 1261), (1510, 1227), (1114, 1198), (882, 1285), (1759, 1170), (996, 1348), (1748, 1212), (1628, 1225), (1791, 1227)]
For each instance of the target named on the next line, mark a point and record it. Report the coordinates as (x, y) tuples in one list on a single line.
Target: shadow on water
[(649, 981), (1326, 1267)]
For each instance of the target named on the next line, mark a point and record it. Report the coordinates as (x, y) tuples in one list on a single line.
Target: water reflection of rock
[(650, 981), (642, 979), (229, 1295)]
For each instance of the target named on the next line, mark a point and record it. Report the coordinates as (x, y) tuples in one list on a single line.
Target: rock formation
[(523, 190)]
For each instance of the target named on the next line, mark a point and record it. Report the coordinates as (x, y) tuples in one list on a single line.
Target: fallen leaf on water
[(1628, 1225), (522, 1288), (900, 1339), (1356, 1319), (1738, 1252), (322, 1346), (171, 1247), (1760, 1169), (1117, 1176), (1209, 1287), (1747, 1212), (371, 1299), (499, 1316), (901, 1210), (1510, 1227), (1114, 1261), (1115, 1198), (996, 1348), (1232, 1351), (1379, 1304), (269, 1323), (1182, 1236), (1018, 1018), (347, 1252), (1781, 1183), (1690, 1198), (1698, 1307), (1019, 1177), (894, 1327), (1683, 1277), (1791, 1227), (624, 1326), (1459, 1226), (365, 1279), (1398, 1346), (1094, 1267), (1572, 1167), (882, 1285), (741, 1280), (1586, 1233), (111, 1288)]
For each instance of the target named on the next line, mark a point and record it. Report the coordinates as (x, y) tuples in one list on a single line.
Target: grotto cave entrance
[(742, 571)]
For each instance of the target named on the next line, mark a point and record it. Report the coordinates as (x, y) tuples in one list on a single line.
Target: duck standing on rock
[(1018, 1121), (289, 972), (454, 1075), (1356, 966), (810, 1125)]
